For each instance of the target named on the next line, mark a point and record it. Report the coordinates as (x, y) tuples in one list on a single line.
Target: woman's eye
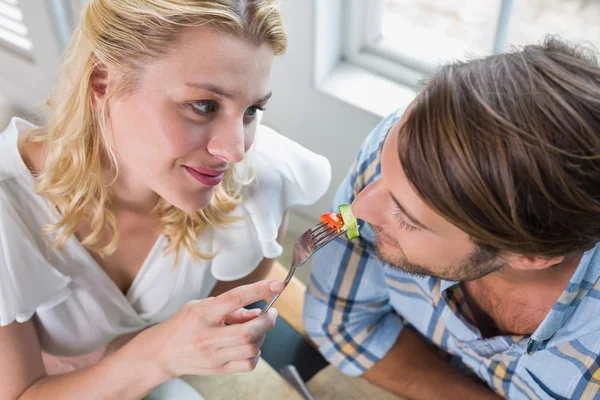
[(204, 107), (253, 111)]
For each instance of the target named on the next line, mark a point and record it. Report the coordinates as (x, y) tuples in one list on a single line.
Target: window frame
[(27, 77), (364, 46)]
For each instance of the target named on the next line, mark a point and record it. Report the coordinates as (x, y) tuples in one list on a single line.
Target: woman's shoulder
[(27, 278), (286, 175), (16, 182), (286, 170), (11, 138), (19, 204), (276, 146)]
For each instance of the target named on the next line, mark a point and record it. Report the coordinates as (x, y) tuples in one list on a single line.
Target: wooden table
[(263, 383), (331, 384)]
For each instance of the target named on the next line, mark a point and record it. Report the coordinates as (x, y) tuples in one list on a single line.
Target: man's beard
[(478, 264)]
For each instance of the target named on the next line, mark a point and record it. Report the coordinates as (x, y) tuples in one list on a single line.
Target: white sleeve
[(287, 175), (28, 282)]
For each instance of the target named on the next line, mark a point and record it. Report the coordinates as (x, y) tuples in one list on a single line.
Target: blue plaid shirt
[(356, 306)]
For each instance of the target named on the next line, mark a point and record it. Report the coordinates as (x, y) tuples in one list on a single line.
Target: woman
[(140, 197)]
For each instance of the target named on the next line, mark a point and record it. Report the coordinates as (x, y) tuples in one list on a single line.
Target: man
[(478, 261)]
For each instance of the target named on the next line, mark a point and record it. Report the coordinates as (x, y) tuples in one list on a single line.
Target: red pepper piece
[(333, 220)]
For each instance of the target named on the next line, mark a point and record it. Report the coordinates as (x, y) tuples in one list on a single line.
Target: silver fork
[(307, 245)]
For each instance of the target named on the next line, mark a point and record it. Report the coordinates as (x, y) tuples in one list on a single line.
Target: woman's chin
[(191, 203)]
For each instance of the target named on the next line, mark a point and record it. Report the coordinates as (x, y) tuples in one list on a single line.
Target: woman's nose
[(227, 144)]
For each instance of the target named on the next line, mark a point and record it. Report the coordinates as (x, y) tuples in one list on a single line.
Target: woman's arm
[(22, 373), (211, 336)]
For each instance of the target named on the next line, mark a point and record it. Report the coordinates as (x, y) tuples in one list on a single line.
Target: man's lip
[(208, 171)]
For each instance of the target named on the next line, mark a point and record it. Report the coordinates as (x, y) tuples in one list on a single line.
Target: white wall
[(306, 114)]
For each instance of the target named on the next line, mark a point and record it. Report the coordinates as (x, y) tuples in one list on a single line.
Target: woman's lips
[(207, 177)]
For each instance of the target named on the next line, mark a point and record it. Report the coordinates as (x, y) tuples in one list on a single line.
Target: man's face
[(409, 234)]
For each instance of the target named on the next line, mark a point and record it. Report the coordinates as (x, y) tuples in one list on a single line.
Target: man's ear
[(99, 84), (532, 263)]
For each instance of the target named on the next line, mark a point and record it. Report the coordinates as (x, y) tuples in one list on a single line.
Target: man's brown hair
[(507, 148)]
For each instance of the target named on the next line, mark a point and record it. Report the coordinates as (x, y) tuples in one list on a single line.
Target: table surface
[(331, 384), (265, 383), (262, 383)]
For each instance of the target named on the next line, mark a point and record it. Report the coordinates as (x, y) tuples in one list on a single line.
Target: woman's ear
[(99, 83)]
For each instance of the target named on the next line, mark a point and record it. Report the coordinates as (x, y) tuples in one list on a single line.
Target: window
[(33, 34), (405, 39), (13, 31)]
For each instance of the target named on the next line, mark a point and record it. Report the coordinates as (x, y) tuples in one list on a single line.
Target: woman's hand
[(212, 336)]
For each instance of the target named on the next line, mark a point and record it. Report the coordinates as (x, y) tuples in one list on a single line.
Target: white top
[(77, 308)]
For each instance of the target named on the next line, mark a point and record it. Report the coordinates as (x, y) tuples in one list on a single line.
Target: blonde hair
[(127, 34)]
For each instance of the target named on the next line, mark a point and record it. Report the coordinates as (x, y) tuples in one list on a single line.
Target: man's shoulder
[(575, 313), (369, 156), (585, 282)]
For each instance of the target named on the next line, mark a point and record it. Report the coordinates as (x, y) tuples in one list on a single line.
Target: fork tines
[(322, 233)]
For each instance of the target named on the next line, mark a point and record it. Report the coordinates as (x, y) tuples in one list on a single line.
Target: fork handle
[(287, 280), (268, 306)]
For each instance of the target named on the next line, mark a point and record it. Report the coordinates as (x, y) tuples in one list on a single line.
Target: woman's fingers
[(240, 365), (243, 352), (241, 296), (241, 316), (248, 332), (196, 340)]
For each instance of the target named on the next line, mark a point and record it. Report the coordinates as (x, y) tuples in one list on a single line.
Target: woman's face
[(191, 115)]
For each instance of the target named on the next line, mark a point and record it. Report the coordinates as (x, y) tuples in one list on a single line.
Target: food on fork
[(349, 221), (344, 219), (333, 220)]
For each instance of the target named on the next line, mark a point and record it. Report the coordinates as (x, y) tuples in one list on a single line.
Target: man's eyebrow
[(408, 215)]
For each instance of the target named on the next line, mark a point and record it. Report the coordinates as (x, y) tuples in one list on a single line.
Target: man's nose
[(370, 205)]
